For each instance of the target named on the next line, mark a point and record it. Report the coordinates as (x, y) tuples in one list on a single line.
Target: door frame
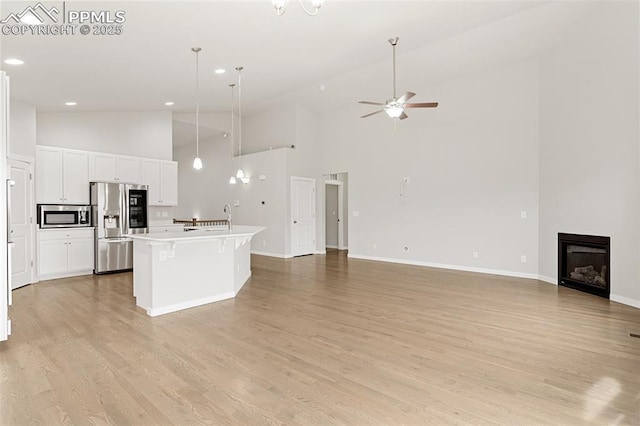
[(340, 186), (291, 209), (30, 161)]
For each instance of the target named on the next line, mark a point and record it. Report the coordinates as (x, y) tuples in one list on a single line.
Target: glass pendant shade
[(240, 174), (197, 163), (232, 180)]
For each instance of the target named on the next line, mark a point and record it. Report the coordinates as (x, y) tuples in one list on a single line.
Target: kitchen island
[(179, 270)]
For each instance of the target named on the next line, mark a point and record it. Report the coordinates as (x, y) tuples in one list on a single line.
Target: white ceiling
[(152, 62)]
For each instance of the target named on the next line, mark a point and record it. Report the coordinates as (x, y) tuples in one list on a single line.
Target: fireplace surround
[(584, 263)]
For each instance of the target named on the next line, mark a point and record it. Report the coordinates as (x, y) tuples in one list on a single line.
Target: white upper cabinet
[(49, 175), (62, 176), (162, 179), (169, 183), (114, 168), (129, 170)]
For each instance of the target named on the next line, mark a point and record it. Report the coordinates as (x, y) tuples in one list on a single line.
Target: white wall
[(272, 127), (472, 164), (589, 138), (22, 140), (143, 134), (203, 193), (263, 202)]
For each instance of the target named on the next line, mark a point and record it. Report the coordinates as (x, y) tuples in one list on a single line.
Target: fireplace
[(584, 263)]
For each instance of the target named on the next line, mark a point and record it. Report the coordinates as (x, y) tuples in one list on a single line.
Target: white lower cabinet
[(65, 252)]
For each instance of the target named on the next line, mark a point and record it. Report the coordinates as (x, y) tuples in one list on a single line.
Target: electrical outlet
[(158, 214), (523, 259), (356, 213), (523, 214), (165, 214), (236, 203), (163, 256), (264, 242), (374, 246), (475, 254)]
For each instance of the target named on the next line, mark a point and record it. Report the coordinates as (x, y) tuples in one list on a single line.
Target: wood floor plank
[(323, 340)]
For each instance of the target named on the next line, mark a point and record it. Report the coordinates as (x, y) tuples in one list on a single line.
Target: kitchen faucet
[(227, 210)]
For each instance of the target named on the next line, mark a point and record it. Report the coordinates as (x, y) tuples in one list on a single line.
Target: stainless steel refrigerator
[(118, 211)]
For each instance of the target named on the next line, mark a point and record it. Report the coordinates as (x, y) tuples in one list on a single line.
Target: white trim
[(447, 266), (320, 252), (548, 279), (23, 158), (63, 275), (153, 312), (332, 247), (625, 300), (343, 248), (270, 254)]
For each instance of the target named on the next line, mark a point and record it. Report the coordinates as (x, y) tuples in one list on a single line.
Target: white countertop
[(236, 231)]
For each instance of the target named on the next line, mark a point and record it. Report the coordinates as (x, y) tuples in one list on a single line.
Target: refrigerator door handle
[(125, 209)]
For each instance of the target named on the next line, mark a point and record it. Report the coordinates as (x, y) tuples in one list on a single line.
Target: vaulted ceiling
[(151, 62)]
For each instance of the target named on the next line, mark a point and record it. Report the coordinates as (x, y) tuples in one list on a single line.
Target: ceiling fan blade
[(373, 113), (371, 103), (404, 98), (403, 116), (422, 105)]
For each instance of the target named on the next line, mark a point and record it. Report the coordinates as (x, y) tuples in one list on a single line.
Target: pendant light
[(232, 179), (197, 162), (240, 172)]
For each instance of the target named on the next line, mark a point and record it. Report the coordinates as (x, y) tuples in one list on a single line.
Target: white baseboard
[(625, 300), (548, 279), (269, 254), (447, 266), (332, 247), (153, 312), (343, 248)]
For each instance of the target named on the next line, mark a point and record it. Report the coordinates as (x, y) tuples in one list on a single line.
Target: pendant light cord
[(233, 105), (239, 111), (197, 104)]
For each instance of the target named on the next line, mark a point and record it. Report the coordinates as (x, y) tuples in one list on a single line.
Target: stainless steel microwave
[(59, 216)]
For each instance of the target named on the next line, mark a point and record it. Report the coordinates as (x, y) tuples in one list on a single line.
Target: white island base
[(173, 271)]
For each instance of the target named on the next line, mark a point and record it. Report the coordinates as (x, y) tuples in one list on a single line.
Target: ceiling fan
[(395, 106)]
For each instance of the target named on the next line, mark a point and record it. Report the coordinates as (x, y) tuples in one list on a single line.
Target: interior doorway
[(21, 222), (335, 211)]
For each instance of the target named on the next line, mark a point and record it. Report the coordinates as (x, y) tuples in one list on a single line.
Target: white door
[(75, 177), (21, 223), (169, 183), (303, 216), (151, 177), (128, 170), (49, 175)]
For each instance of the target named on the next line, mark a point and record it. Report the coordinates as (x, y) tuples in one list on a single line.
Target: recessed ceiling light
[(168, 103), (14, 61), (71, 103), (220, 71)]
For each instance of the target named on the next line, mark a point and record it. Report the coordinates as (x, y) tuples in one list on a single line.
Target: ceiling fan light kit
[(281, 6), (395, 106)]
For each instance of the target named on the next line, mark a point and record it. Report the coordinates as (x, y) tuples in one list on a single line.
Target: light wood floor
[(323, 340)]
